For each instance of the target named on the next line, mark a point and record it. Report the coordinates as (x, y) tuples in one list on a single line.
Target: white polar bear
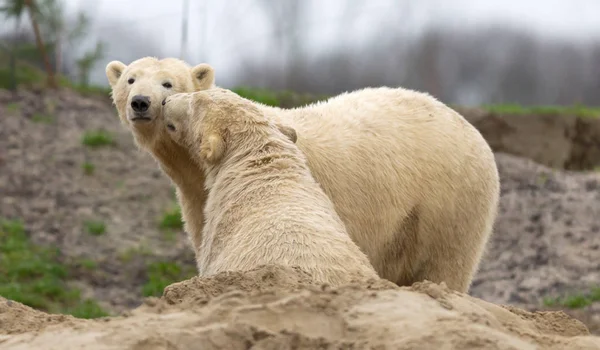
[(263, 206)]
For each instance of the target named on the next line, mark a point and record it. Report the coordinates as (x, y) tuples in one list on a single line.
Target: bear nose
[(140, 103), (164, 101)]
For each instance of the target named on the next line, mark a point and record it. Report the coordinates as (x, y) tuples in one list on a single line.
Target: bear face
[(139, 89), (214, 122)]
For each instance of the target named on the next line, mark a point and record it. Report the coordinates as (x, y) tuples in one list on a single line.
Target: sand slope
[(277, 308)]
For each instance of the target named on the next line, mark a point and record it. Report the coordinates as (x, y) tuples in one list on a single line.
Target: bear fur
[(149, 75), (263, 206), (415, 184)]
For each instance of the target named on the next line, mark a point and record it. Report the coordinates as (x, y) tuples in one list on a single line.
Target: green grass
[(13, 107), (128, 254), (285, 99), (267, 97), (577, 110), (172, 219), (33, 275), (42, 118), (95, 228), (88, 264), (91, 90), (162, 274), (574, 301), (97, 138), (88, 168)]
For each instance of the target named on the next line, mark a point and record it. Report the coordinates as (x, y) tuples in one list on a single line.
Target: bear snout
[(140, 103)]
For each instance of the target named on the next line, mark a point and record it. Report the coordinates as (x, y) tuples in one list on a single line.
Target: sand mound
[(278, 308)]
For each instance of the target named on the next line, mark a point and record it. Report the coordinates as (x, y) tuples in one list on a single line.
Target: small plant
[(42, 118), (172, 219), (88, 264), (88, 308), (32, 275), (88, 168), (162, 274), (128, 254), (97, 138), (574, 301), (95, 228), (13, 107)]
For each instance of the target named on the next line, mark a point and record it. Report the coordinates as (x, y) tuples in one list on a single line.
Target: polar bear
[(415, 184), (137, 92), (263, 206)]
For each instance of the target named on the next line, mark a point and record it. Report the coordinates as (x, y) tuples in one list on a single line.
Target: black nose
[(164, 101), (140, 103)]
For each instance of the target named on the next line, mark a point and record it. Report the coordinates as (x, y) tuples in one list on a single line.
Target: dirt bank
[(237, 311)]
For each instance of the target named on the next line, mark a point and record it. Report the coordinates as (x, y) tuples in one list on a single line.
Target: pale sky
[(238, 27)]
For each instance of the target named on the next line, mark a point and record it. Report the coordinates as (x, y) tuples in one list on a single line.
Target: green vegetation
[(42, 118), (128, 254), (97, 138), (33, 275), (172, 219), (88, 168), (575, 301), (88, 264), (576, 110), (13, 107), (285, 99), (95, 228), (162, 274)]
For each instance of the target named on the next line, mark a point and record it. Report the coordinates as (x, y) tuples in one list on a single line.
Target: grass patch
[(91, 90), (88, 168), (574, 301), (13, 107), (284, 99), (33, 275), (42, 118), (263, 96), (88, 264), (172, 219), (95, 228), (97, 138), (162, 274), (577, 110), (128, 254)]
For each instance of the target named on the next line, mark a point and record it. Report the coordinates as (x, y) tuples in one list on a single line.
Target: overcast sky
[(222, 30)]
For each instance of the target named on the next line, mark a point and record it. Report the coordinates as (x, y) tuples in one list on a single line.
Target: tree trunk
[(40, 44)]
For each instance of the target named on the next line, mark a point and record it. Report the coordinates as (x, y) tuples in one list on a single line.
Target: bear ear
[(212, 148), (114, 70), (204, 76), (288, 131)]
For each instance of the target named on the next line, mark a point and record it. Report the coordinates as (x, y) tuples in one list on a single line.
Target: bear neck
[(177, 163)]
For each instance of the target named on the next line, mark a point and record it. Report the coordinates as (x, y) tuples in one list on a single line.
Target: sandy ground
[(276, 308), (546, 241)]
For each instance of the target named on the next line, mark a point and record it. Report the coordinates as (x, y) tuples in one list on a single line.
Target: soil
[(546, 243), (237, 311)]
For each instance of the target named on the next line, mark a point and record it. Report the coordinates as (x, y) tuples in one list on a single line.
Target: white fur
[(263, 206)]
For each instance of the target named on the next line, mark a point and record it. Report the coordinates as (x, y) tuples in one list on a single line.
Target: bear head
[(139, 89), (217, 122)]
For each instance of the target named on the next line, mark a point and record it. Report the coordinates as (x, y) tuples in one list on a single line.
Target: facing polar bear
[(415, 184), (263, 205)]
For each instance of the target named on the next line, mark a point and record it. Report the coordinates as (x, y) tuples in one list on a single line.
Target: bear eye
[(131, 81), (171, 127), (167, 85)]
